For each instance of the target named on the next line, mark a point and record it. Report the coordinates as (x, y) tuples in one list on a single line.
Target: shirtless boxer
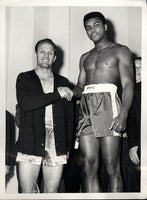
[(103, 116)]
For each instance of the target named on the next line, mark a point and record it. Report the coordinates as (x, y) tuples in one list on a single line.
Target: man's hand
[(7, 169), (65, 92), (17, 116), (118, 124), (134, 156)]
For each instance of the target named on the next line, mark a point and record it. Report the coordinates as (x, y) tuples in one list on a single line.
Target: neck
[(102, 44), (44, 73)]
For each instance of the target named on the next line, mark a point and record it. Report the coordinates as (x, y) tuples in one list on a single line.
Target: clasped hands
[(66, 93)]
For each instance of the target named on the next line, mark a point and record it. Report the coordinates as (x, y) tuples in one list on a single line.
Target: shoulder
[(85, 55), (26, 74), (122, 50), (25, 77), (62, 80), (60, 77)]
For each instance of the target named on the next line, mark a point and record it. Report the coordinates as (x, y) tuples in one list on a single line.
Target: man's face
[(138, 70), (45, 55), (95, 29)]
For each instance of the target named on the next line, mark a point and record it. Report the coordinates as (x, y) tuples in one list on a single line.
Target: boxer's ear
[(106, 27), (54, 58)]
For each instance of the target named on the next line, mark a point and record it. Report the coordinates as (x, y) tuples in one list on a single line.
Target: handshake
[(66, 93)]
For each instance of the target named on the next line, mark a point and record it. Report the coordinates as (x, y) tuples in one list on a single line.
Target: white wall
[(64, 25), (26, 25)]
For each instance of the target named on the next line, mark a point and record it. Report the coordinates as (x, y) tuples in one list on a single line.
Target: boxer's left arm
[(126, 69)]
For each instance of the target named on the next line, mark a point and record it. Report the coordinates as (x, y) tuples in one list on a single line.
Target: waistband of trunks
[(102, 87)]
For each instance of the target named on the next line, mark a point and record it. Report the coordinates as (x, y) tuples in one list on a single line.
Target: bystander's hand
[(7, 169), (17, 116), (134, 156)]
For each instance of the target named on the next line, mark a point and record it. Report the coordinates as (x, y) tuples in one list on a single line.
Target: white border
[(3, 4)]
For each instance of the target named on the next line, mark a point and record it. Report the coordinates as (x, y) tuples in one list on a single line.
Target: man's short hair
[(43, 41), (94, 15)]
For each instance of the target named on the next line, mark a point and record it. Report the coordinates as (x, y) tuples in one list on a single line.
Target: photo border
[(139, 3)]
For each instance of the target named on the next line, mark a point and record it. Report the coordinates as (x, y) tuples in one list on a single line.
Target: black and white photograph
[(73, 100)]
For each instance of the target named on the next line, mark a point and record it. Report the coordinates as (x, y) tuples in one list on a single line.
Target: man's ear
[(54, 58), (106, 27)]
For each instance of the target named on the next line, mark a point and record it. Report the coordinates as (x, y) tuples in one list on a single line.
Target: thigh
[(110, 148), (52, 177), (28, 174), (89, 146)]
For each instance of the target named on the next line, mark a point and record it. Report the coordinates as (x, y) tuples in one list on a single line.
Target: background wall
[(64, 25)]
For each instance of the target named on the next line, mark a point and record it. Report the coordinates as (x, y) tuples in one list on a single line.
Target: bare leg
[(110, 147), (52, 177), (28, 174), (90, 151)]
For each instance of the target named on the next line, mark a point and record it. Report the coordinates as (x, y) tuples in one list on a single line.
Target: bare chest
[(101, 67), (47, 85), (100, 62)]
